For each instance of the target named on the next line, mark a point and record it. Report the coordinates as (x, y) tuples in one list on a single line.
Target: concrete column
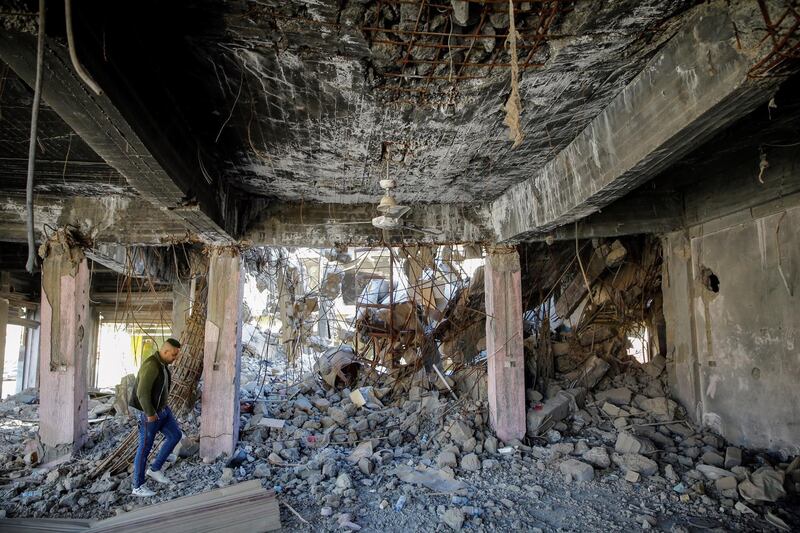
[(3, 328), (63, 397), (181, 299), (92, 337), (219, 425), (30, 367), (506, 368)]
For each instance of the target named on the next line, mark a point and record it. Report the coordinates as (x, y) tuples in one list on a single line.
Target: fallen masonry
[(446, 467)]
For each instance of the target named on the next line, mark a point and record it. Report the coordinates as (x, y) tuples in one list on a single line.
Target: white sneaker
[(143, 491), (157, 475)]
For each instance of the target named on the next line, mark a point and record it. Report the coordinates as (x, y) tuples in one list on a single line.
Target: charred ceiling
[(248, 103), (299, 101), (317, 92)]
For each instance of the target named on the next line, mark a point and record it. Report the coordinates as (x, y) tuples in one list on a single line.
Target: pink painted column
[(219, 424), (63, 352), (506, 368)]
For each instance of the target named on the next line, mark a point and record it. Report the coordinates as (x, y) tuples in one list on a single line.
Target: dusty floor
[(308, 464)]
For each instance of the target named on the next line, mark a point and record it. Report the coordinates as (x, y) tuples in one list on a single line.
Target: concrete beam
[(651, 211), (63, 415), (116, 137), (506, 360), (113, 219), (219, 425), (696, 85), (135, 261), (327, 224)]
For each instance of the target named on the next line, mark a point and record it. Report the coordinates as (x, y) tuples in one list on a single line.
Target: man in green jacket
[(149, 398)]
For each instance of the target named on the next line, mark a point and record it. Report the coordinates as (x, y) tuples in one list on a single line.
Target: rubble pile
[(604, 414), (349, 458), (627, 427), (386, 440)]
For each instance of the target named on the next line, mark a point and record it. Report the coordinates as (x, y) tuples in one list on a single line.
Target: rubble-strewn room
[(399, 265)]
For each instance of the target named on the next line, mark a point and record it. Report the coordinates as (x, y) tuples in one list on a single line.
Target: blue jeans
[(167, 425)]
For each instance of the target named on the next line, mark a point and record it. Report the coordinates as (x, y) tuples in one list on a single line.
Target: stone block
[(554, 410), (637, 463), (618, 396), (713, 472), (446, 459), (733, 457), (577, 470), (460, 432), (628, 443), (655, 366), (598, 456), (713, 458), (470, 462), (662, 409), (632, 476)]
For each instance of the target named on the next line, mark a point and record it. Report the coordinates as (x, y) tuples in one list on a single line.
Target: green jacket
[(151, 388)]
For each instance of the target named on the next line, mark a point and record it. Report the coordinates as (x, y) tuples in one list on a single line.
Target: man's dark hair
[(174, 342)]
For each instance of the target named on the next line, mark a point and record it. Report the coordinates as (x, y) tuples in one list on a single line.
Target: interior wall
[(734, 358)]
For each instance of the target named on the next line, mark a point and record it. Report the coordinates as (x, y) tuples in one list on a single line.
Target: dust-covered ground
[(421, 460)]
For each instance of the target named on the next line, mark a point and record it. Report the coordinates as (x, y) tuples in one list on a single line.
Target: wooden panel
[(244, 507)]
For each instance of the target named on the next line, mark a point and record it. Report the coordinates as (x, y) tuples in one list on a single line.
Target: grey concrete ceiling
[(251, 115), (307, 117)]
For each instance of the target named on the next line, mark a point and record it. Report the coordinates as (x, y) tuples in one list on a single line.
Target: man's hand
[(152, 418)]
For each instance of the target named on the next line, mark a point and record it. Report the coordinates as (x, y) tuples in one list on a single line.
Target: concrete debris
[(338, 366), (632, 476), (662, 409), (712, 472), (540, 418), (763, 485), (733, 457), (618, 396), (362, 451), (343, 481), (453, 517), (446, 458), (627, 443), (365, 396), (635, 462), (590, 373), (577, 470), (713, 459), (655, 366), (470, 462), (272, 423), (434, 479), (597, 456), (352, 449), (615, 254)]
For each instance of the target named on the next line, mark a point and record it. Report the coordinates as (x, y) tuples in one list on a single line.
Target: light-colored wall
[(735, 355)]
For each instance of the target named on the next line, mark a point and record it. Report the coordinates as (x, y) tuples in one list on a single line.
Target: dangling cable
[(73, 55), (37, 97)]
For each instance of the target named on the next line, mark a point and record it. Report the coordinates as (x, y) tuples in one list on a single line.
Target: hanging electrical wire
[(37, 97), (73, 54)]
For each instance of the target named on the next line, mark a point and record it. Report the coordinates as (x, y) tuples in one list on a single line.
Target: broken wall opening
[(397, 311), (592, 306)]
